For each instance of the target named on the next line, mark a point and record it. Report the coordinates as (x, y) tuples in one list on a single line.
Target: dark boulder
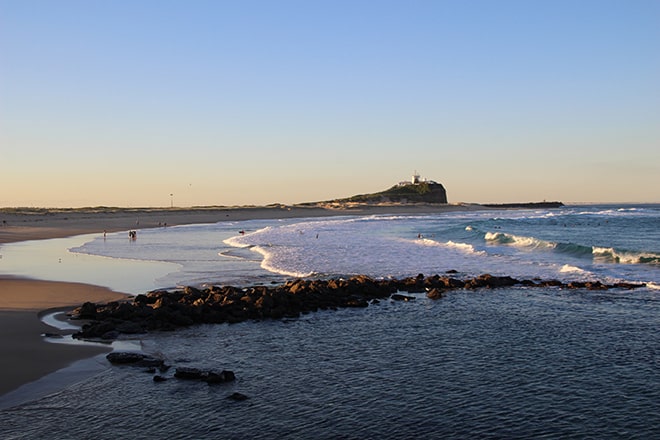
[(434, 293), (453, 283), (209, 376), (550, 283), (628, 286), (212, 377), (399, 297), (86, 311), (188, 373), (491, 282), (110, 335), (129, 328), (133, 358), (122, 357)]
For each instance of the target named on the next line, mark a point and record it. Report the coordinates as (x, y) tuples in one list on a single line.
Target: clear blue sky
[(123, 103)]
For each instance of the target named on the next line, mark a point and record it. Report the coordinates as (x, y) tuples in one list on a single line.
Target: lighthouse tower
[(415, 178)]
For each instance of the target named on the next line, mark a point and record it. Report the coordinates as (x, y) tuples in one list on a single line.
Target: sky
[(188, 103)]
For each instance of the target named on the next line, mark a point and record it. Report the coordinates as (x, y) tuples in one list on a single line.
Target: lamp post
[(171, 200)]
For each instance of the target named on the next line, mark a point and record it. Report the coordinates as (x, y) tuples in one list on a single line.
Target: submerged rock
[(133, 358), (188, 373), (209, 376)]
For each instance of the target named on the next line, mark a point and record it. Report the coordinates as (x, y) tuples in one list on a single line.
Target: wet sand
[(26, 356)]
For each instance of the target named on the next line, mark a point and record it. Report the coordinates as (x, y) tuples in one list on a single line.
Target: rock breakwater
[(166, 310)]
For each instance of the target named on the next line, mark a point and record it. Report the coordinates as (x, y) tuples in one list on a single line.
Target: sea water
[(509, 363), (608, 243)]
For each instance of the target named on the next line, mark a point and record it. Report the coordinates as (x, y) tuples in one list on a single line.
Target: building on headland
[(415, 190), (416, 180), (418, 190)]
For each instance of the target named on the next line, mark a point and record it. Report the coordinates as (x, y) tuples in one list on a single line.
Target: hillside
[(423, 192)]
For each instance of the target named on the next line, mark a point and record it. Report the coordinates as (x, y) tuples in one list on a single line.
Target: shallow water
[(52, 260), (489, 364)]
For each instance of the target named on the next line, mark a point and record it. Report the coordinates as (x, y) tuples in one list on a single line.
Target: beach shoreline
[(21, 224), (28, 356)]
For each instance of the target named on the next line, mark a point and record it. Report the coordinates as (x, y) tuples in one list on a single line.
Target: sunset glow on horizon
[(159, 103)]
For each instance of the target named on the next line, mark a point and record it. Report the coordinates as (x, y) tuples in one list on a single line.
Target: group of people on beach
[(132, 235)]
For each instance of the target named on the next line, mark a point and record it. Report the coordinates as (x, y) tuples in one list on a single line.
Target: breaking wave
[(518, 241), (611, 255), (567, 268), (463, 247), (598, 254), (268, 263)]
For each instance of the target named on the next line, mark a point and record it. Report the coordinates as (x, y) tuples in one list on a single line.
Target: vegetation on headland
[(423, 192)]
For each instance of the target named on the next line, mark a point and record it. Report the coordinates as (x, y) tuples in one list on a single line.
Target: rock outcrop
[(423, 192), (164, 310)]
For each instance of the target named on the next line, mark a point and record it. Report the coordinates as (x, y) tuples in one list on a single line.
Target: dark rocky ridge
[(423, 192), (163, 310)]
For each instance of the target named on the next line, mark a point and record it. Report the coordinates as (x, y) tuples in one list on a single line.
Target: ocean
[(506, 363)]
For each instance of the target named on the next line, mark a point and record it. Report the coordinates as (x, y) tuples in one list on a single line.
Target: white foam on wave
[(465, 247), (611, 255), (567, 268), (518, 241), (390, 246), (427, 242), (268, 264), (244, 240)]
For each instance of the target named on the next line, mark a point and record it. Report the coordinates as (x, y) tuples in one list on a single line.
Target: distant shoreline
[(529, 205), (20, 224)]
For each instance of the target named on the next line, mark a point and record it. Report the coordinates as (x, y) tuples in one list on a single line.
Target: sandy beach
[(37, 224), (26, 356)]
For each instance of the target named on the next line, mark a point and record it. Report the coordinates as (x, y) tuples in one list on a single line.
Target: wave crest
[(611, 255), (518, 241), (598, 254)]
